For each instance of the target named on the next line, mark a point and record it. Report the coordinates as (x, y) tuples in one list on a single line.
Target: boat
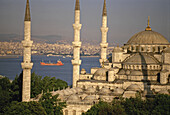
[(59, 63)]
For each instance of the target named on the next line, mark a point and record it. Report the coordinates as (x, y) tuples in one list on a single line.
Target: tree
[(5, 97), (52, 104), (25, 108), (104, 108)]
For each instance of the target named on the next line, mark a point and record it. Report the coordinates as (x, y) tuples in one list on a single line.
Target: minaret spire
[(76, 62), (148, 25), (104, 9), (27, 12), (104, 30), (77, 6), (27, 64)]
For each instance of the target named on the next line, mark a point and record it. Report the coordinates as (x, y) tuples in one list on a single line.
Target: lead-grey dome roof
[(148, 37)]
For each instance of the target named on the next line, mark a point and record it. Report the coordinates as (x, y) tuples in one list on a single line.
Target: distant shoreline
[(9, 56)]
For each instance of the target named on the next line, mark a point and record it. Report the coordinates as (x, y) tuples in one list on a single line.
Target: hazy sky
[(55, 17)]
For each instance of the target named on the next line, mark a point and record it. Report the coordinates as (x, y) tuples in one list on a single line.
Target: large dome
[(148, 37)]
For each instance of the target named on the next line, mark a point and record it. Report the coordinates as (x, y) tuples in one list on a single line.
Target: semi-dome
[(133, 87), (100, 74), (148, 37), (141, 59), (136, 73)]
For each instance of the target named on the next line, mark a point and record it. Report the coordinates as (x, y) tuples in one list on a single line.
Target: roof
[(104, 9), (148, 37), (27, 12), (77, 6), (141, 59), (166, 50)]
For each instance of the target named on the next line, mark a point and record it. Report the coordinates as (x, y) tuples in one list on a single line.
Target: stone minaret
[(104, 30), (27, 64), (76, 45)]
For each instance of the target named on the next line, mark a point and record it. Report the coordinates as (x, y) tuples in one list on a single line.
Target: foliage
[(25, 108), (104, 108), (160, 105), (4, 93), (52, 104), (47, 83)]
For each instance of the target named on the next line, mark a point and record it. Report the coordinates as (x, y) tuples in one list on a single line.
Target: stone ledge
[(26, 65)]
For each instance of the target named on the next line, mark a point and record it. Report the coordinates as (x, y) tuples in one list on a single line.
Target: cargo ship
[(59, 63)]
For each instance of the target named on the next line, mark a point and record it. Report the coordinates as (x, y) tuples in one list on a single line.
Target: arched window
[(66, 112), (74, 112)]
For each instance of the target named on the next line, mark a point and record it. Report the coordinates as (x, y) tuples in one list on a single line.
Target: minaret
[(76, 45), (104, 30), (27, 64)]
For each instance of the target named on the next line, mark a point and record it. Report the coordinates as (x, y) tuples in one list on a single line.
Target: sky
[(54, 18)]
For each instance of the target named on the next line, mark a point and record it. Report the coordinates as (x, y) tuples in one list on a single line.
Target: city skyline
[(53, 19)]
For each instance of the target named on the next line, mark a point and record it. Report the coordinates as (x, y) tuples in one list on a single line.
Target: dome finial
[(148, 27)]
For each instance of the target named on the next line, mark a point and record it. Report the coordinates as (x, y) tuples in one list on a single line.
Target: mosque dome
[(74, 98), (148, 37), (100, 74), (133, 87), (141, 59)]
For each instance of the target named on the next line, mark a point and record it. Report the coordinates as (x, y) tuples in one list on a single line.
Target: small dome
[(136, 73), (74, 98), (79, 90), (133, 87), (83, 71), (90, 90), (121, 72), (105, 91), (90, 98), (163, 92), (166, 50), (148, 37), (117, 49), (118, 91), (100, 74)]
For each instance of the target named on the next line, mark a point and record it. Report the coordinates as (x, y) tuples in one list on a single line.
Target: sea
[(10, 67)]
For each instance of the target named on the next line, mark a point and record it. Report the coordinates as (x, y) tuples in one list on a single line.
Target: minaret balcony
[(76, 62), (104, 45), (26, 65), (26, 43), (77, 26), (104, 29), (76, 44)]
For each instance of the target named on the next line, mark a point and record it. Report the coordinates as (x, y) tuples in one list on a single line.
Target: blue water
[(10, 67)]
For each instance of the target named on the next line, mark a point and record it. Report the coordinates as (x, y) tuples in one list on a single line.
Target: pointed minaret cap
[(104, 9), (27, 12), (77, 6), (148, 28)]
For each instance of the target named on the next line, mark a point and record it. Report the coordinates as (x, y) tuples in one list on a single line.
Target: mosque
[(139, 67)]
